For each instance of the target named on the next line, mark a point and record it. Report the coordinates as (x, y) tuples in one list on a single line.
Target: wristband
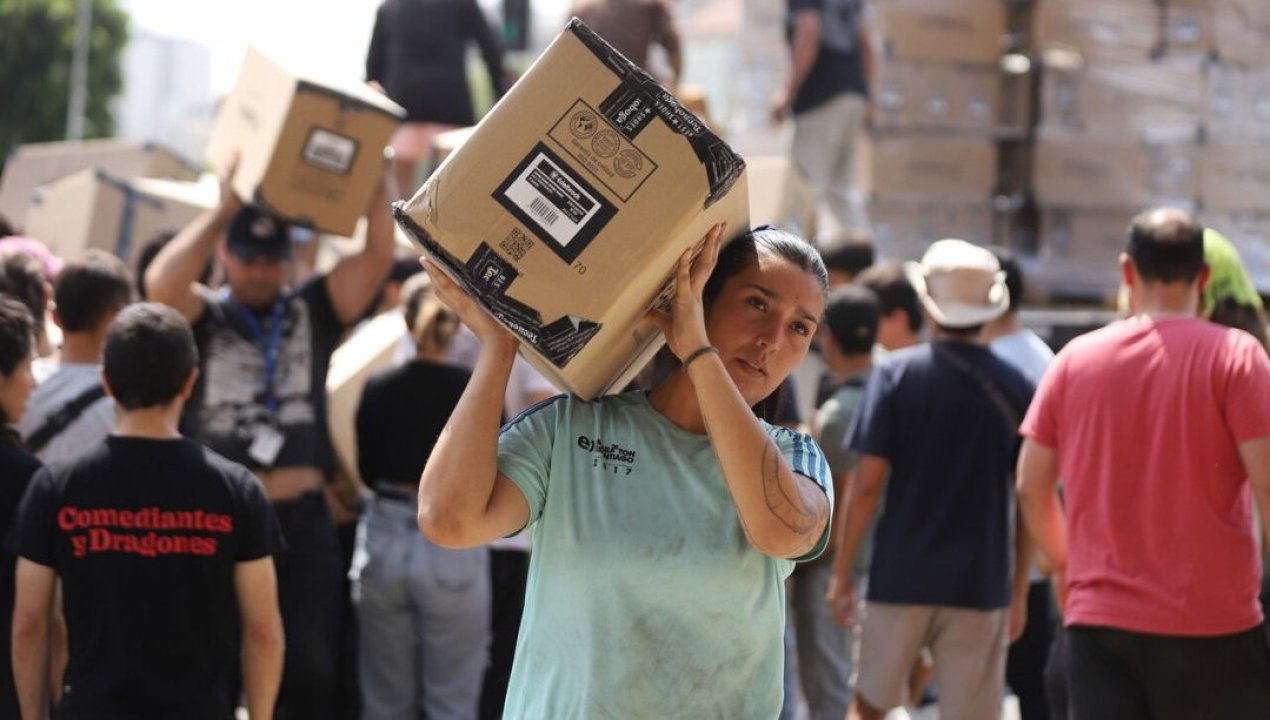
[(698, 353)]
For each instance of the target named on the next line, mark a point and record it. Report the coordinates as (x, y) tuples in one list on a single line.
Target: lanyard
[(268, 345)]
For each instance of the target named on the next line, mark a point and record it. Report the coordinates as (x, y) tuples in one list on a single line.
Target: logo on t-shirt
[(149, 532), (611, 457)]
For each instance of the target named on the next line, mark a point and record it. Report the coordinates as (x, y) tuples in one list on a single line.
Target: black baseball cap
[(255, 233)]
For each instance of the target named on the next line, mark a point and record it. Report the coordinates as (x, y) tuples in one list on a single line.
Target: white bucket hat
[(961, 285)]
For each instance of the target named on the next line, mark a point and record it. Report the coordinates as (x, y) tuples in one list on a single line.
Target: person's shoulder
[(555, 406)]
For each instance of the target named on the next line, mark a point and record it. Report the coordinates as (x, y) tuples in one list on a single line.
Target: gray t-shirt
[(67, 382)]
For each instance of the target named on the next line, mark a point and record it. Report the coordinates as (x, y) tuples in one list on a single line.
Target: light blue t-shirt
[(645, 600)]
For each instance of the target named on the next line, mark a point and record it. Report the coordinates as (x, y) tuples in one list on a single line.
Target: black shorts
[(1122, 675)]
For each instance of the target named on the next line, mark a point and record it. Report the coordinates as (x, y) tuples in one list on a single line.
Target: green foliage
[(37, 39)]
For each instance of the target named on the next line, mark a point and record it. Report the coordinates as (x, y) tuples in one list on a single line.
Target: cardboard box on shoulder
[(1080, 172), (33, 165), (95, 209), (309, 151), (946, 169), (938, 96), (903, 230), (1241, 32), (1235, 178), (1152, 101), (781, 195), (971, 31), (1080, 250), (566, 211)]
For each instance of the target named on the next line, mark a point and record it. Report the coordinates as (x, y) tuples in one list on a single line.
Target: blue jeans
[(823, 646), (309, 587), (423, 619)]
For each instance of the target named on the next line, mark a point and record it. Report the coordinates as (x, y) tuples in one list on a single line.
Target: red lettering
[(126, 518), (98, 540), (66, 519), (79, 545)]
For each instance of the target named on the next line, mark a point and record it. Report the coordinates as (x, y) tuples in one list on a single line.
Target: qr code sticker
[(516, 244)]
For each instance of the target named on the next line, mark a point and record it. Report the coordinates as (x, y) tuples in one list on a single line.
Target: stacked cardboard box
[(1235, 161), (1121, 118), (941, 100)]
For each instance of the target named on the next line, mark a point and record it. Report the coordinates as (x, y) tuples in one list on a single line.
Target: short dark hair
[(1166, 245), (149, 354), (894, 292), (6, 228), (17, 331), (848, 251), (851, 316), (22, 278), (742, 253), (90, 289), (1013, 275)]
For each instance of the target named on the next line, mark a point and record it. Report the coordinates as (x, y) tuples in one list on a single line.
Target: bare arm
[(1037, 484), (33, 606), (668, 37), (864, 495), (355, 280), (1022, 570), (464, 501), (172, 277), (805, 46), (256, 587), (1256, 458)]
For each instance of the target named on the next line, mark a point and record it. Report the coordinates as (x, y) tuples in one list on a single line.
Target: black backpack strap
[(1009, 413), (62, 419)]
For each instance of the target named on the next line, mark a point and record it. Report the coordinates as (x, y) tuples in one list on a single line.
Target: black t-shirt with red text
[(144, 535)]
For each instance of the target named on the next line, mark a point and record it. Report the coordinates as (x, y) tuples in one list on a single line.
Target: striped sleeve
[(806, 458)]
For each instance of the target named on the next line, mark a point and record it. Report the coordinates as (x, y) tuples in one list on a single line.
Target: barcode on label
[(544, 211)]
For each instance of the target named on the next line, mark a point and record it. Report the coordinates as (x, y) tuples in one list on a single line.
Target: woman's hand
[(685, 325), (489, 331)]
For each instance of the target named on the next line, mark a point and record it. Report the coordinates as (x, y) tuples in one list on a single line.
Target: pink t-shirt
[(1146, 417)]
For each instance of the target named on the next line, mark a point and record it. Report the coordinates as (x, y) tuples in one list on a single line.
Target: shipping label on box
[(565, 211), (310, 152), (969, 31), (945, 169), (1091, 173)]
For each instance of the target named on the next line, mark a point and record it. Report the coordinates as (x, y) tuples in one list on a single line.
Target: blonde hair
[(432, 324)]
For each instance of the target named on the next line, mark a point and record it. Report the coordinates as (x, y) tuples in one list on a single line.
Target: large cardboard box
[(1235, 178), (938, 96), (1115, 30), (1152, 101), (1080, 250), (1093, 173), (1241, 32), (94, 209), (942, 30), (32, 165), (947, 169), (781, 195), (567, 209), (309, 151), (903, 230)]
